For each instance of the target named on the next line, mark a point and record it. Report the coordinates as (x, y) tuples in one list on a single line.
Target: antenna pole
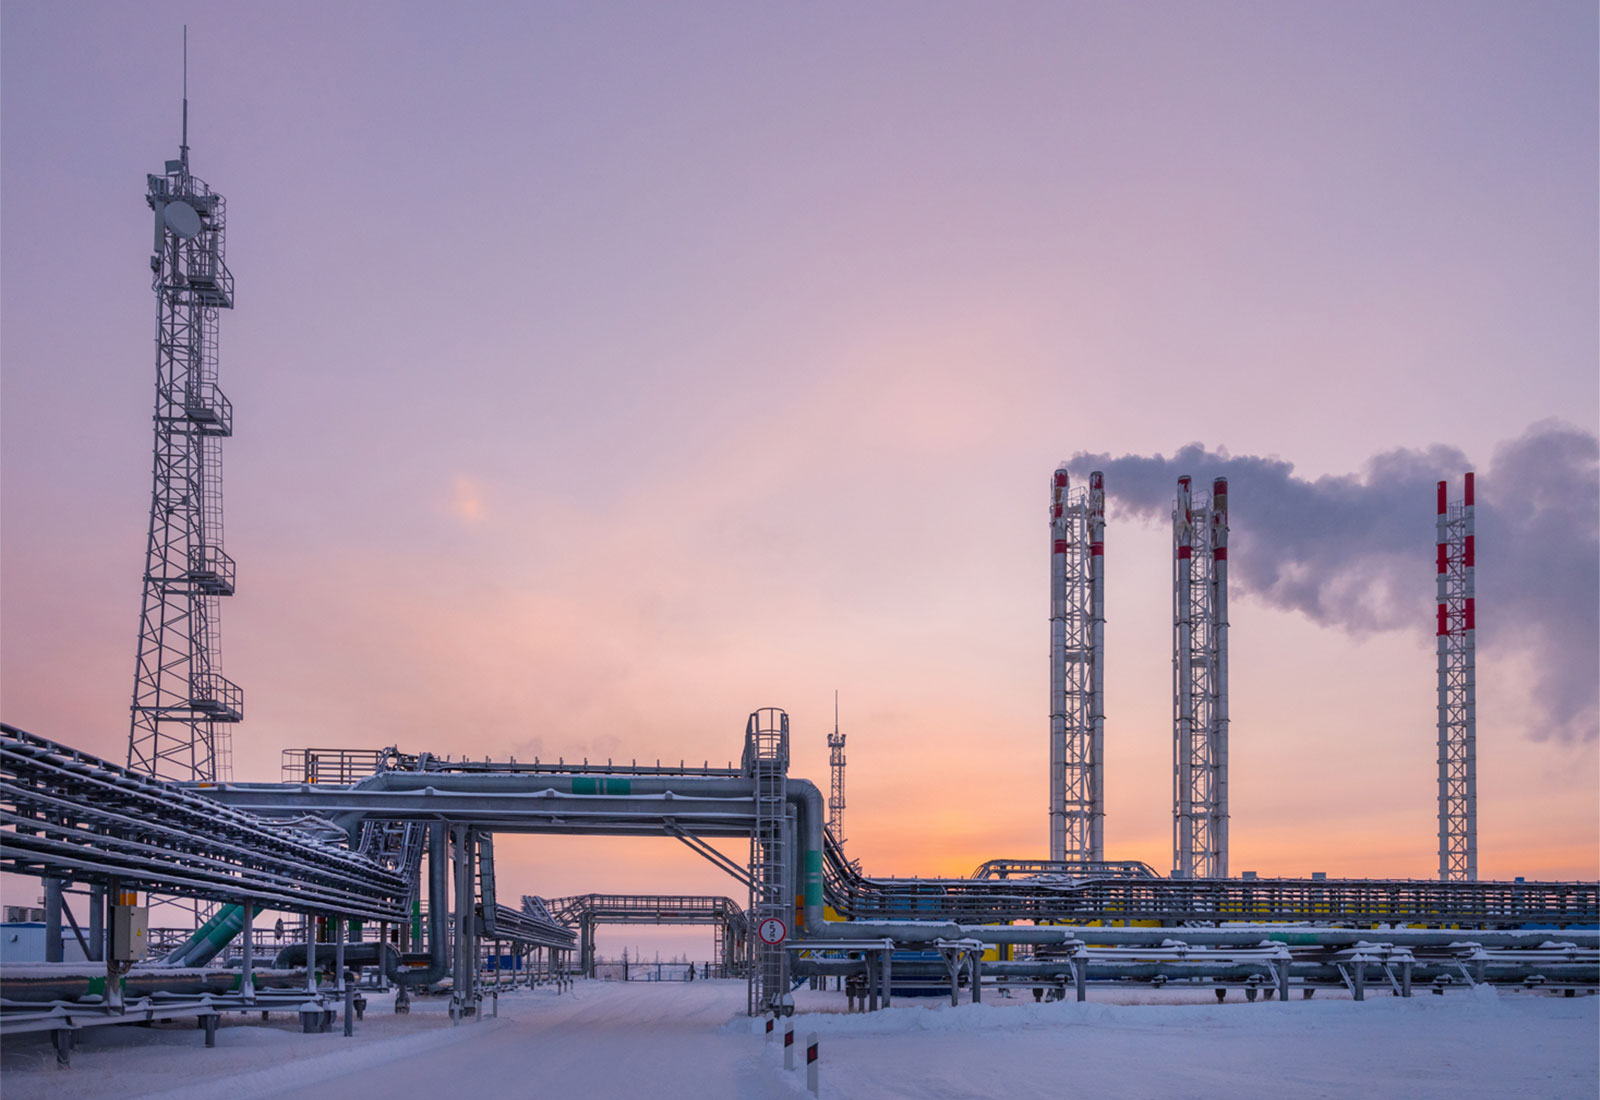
[(183, 148)]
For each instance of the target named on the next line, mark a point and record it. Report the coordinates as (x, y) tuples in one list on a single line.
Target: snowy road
[(670, 1040)]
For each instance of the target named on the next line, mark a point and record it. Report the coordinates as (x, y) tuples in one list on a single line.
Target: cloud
[(1355, 552)]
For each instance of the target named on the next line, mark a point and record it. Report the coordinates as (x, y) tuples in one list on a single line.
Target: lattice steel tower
[(1458, 716), (836, 775), (1077, 669), (1200, 683), (182, 705)]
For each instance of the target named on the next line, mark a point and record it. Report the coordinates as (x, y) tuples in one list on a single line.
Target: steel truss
[(1077, 672), (182, 704), (731, 927), (1458, 718), (1200, 683)]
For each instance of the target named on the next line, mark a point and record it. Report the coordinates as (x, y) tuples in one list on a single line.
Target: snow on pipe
[(810, 811), (907, 931)]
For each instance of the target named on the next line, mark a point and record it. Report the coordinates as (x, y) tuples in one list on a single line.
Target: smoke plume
[(1356, 552)]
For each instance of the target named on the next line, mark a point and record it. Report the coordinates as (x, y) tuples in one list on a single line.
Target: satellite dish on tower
[(181, 218)]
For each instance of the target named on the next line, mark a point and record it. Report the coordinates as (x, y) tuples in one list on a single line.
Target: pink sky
[(605, 372)]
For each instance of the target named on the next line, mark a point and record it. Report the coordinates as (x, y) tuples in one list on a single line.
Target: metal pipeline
[(210, 938), (931, 931), (436, 960), (35, 987), (1246, 935), (1423, 971), (810, 819), (356, 955), (810, 814)]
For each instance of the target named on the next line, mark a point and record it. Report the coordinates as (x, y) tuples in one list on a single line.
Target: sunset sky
[(603, 372)]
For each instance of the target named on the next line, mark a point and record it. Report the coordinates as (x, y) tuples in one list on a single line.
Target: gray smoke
[(1357, 551)]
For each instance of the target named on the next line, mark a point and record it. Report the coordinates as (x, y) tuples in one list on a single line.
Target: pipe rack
[(85, 819)]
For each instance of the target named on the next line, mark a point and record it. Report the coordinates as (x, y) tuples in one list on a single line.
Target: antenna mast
[(836, 773), (182, 705)]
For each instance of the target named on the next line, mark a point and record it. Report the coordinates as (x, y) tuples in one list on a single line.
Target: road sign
[(772, 931)]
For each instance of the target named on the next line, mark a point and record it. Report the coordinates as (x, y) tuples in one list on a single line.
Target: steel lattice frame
[(181, 702), (1456, 628), (1077, 632), (836, 783), (766, 760), (1200, 683)]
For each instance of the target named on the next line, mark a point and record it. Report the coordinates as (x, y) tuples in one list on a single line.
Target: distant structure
[(182, 705), (836, 774), (1077, 669), (1458, 717), (1200, 682)]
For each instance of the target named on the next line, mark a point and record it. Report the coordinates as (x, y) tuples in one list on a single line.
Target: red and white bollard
[(811, 1063), (770, 1021), (788, 1044)]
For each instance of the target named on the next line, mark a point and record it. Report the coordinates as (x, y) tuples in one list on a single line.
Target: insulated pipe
[(1182, 678), (811, 817), (52, 920), (1219, 635), (1245, 935), (247, 981), (70, 983), (97, 924), (466, 960), (209, 939), (1097, 666), (513, 784), (811, 813), (907, 931), (438, 910)]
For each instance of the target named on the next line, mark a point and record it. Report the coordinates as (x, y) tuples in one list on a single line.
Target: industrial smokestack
[(1456, 635), (1077, 803)]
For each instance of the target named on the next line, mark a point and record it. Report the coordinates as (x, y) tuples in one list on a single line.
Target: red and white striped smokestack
[(1059, 485), (1469, 645), (1469, 564), (1219, 635), (1097, 666), (1183, 649)]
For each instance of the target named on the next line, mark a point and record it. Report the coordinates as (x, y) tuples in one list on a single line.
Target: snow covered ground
[(670, 1040)]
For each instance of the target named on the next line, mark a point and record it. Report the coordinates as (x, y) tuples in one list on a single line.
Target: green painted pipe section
[(813, 881), (416, 919), (211, 937), (596, 784)]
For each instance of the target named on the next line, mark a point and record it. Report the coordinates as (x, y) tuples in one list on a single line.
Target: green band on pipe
[(588, 784), (814, 880)]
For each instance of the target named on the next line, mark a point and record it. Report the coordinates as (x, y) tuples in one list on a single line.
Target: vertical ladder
[(766, 761)]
